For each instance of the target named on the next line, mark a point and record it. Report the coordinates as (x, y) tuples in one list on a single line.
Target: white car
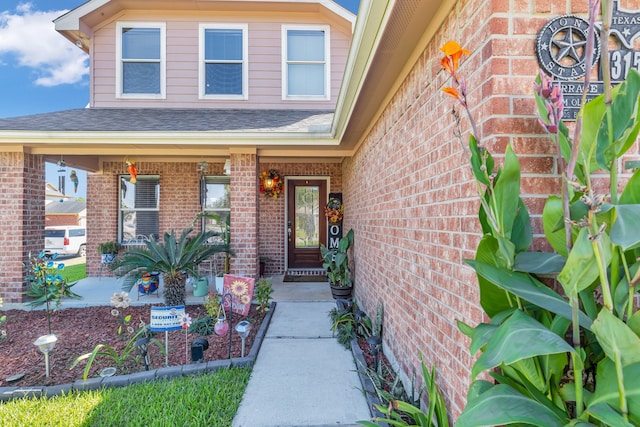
[(65, 240)]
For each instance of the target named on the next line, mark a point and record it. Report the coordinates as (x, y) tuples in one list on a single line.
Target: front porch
[(97, 291)]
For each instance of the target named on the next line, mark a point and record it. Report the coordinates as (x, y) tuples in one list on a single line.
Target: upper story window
[(223, 61), (306, 67), (139, 209), (140, 50)]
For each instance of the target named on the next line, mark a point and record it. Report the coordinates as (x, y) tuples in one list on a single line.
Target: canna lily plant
[(563, 343)]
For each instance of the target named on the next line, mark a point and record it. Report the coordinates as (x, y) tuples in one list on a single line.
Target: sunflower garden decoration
[(241, 290), (271, 184)]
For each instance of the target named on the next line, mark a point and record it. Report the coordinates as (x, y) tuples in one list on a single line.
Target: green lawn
[(202, 400), (72, 273)]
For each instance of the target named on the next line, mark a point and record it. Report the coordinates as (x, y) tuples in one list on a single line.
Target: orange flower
[(453, 52), (451, 92)]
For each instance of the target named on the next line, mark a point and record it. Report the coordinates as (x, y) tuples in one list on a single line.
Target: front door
[(306, 223)]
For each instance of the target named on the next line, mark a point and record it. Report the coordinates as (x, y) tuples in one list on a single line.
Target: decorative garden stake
[(142, 344), (243, 328), (222, 326), (45, 344), (185, 320)]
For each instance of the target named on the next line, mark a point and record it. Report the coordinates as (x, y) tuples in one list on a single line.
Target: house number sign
[(561, 52)]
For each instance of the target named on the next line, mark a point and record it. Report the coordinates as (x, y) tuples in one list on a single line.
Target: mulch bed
[(79, 330)]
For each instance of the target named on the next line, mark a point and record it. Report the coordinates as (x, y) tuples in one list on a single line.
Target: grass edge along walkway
[(211, 399)]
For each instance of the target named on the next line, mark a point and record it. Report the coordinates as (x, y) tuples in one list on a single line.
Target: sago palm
[(172, 258)]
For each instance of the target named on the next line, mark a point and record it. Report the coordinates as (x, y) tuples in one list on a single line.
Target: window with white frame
[(140, 51), (139, 208), (216, 207), (223, 61), (306, 66)]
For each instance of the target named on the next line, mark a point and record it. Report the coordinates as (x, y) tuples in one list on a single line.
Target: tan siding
[(182, 61)]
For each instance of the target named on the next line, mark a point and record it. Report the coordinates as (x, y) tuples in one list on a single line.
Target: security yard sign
[(165, 319)]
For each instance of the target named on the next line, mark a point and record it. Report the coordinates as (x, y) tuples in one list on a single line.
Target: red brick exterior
[(21, 219), (410, 197)]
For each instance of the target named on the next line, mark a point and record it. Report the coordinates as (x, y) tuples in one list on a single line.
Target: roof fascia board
[(343, 112), (70, 21), (372, 17), (161, 138)]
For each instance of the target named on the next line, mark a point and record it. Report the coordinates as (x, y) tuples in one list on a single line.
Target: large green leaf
[(616, 338), (506, 252), (507, 193), (529, 289), (519, 337), (502, 405), (521, 235), (478, 157), (631, 193), (480, 336), (582, 268), (624, 112), (626, 229), (634, 323), (552, 215), (607, 388), (539, 262), (492, 299), (607, 415), (593, 113)]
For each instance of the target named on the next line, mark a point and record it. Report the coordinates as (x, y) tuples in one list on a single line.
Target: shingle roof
[(172, 120)]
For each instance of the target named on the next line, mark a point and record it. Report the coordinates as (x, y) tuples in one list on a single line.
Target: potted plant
[(336, 262), (174, 258), (108, 251)]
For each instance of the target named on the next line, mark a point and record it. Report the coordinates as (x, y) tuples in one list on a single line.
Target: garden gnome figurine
[(74, 179)]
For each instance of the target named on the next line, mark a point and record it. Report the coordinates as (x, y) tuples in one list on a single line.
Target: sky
[(41, 71)]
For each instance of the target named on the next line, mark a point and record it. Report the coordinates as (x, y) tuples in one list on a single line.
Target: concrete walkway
[(302, 376)]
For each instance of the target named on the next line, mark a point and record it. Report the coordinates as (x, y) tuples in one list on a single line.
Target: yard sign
[(166, 318)]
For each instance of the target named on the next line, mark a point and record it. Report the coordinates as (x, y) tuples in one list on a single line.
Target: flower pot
[(341, 292), (200, 287)]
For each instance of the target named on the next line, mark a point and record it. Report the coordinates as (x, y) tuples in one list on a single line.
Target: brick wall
[(179, 202), (244, 214), (272, 211), (411, 199), (21, 219)]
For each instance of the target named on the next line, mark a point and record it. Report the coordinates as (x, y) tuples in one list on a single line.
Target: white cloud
[(28, 38)]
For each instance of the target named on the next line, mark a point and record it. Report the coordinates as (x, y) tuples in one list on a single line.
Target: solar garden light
[(45, 344), (198, 347), (142, 345), (374, 344), (243, 328)]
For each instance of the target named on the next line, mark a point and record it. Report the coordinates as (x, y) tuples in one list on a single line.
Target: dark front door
[(306, 223)]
